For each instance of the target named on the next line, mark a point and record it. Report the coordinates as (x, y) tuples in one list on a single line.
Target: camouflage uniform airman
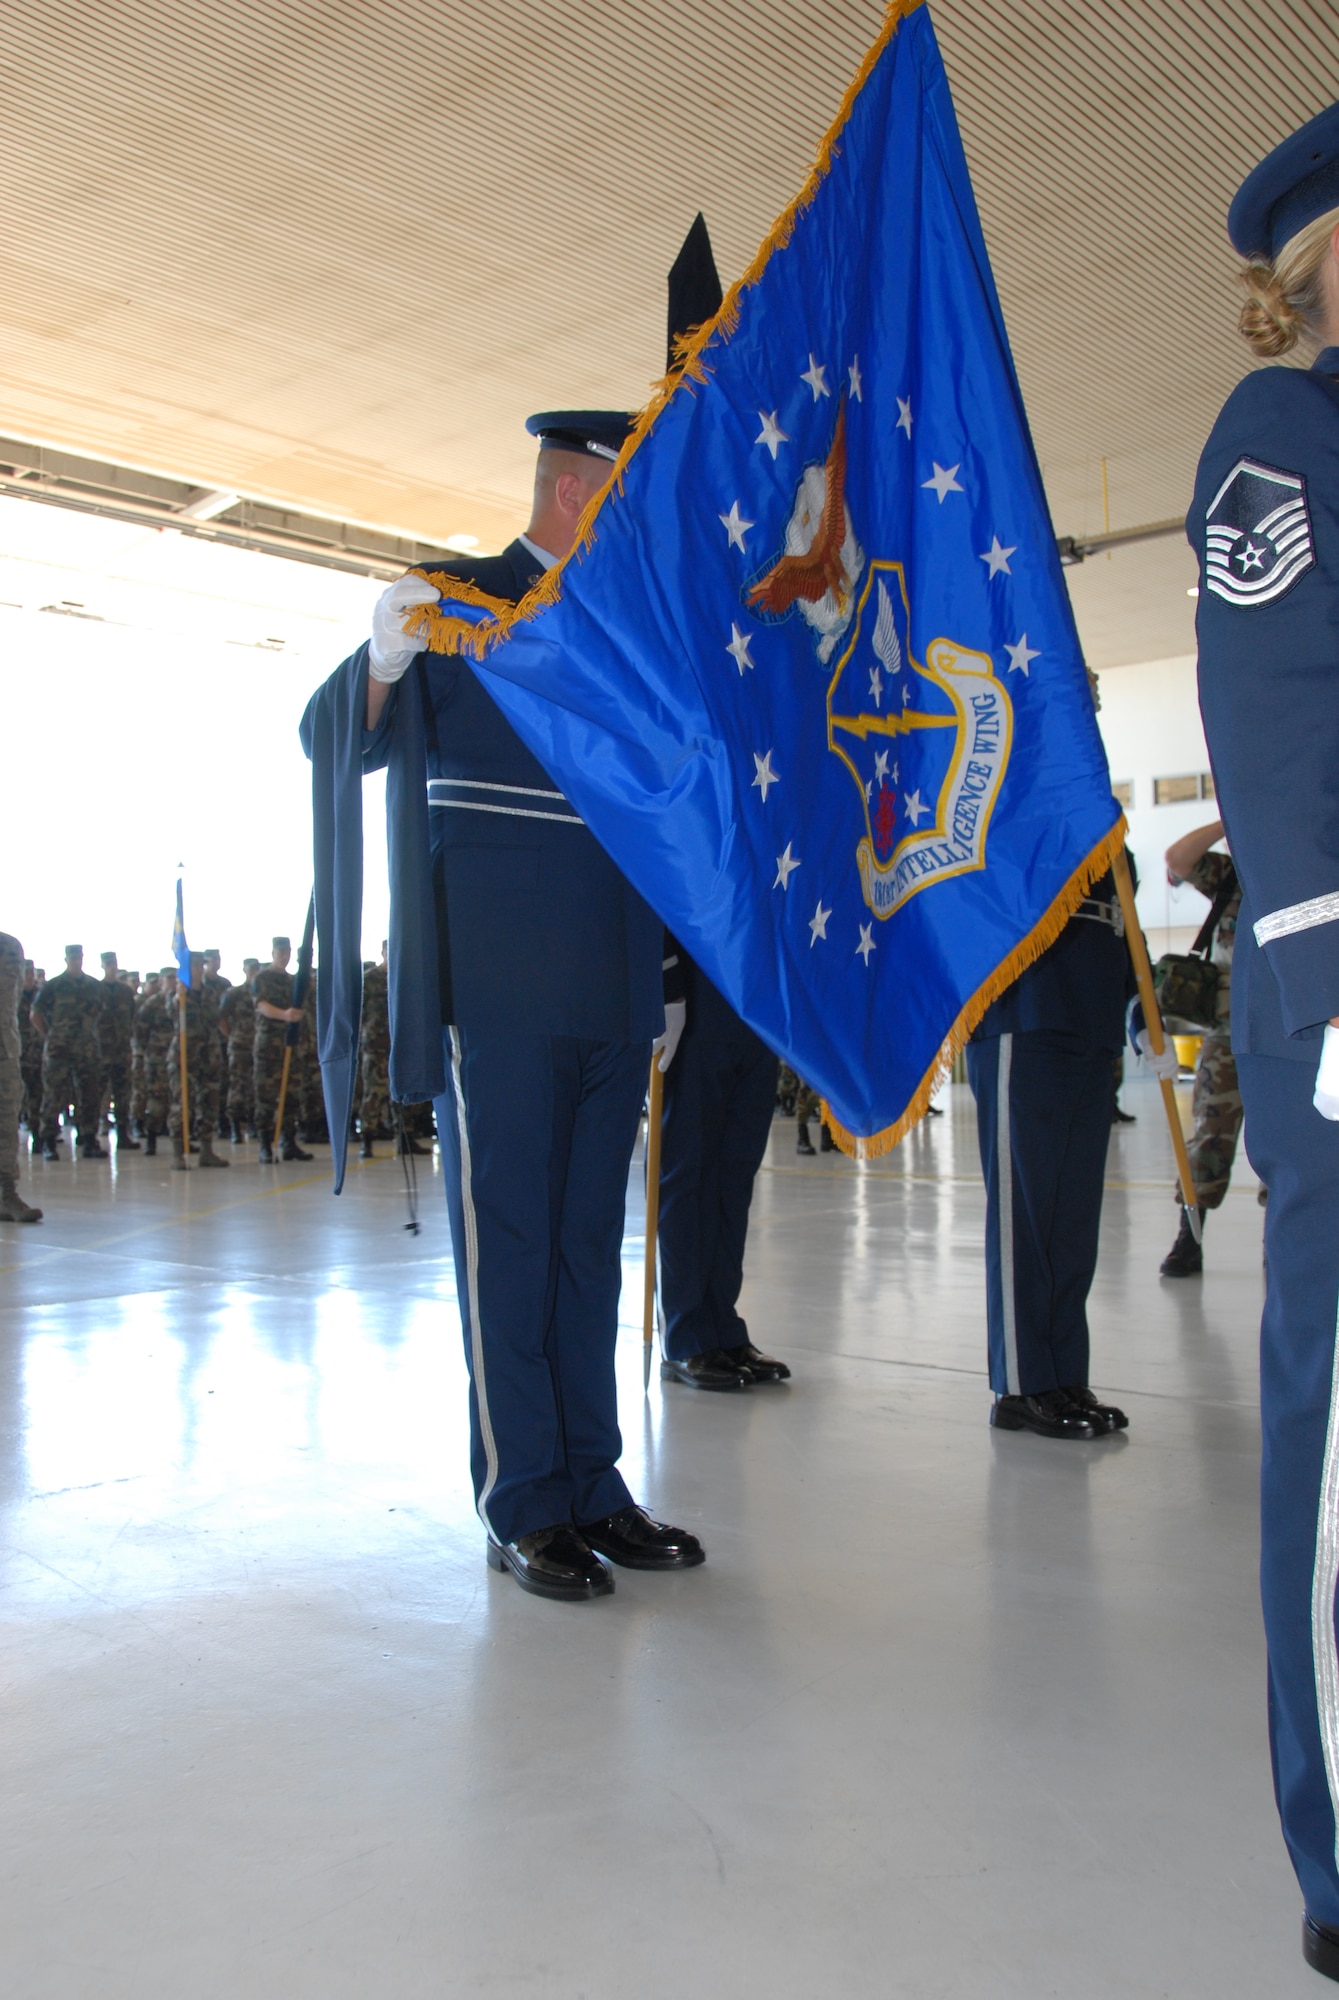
[(203, 1069), (30, 1054), (237, 1019), (1216, 1100), (273, 986), (115, 1037), (374, 1053), (69, 1008), (156, 1024), (13, 1208)]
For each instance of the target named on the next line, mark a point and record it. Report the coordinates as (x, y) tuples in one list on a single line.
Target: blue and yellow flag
[(811, 675), (181, 951)]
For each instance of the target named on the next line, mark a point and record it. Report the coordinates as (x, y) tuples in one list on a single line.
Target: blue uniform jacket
[(506, 913), (1079, 986), (1264, 524)]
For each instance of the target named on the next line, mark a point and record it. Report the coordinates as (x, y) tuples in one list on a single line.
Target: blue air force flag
[(812, 677), (181, 951)]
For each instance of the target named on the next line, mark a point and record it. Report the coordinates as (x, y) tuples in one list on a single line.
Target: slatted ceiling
[(331, 253)]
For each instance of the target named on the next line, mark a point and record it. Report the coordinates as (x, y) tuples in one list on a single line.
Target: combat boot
[(13, 1208), (826, 1142), (803, 1143), (208, 1157), (50, 1150), (124, 1142), (1185, 1259), (365, 1150), (409, 1144), (266, 1153), (180, 1165), (292, 1151), (150, 1145), (89, 1149)]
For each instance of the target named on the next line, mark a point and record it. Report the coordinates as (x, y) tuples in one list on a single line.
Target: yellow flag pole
[(655, 1102), (283, 1095), (1143, 972), (185, 1090)]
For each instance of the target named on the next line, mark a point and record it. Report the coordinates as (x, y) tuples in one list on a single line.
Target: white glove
[(1166, 1067), (664, 1046), (1326, 1098), (392, 649)]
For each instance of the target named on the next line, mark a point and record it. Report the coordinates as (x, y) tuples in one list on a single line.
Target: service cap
[(107, 958), (603, 433), (167, 972), (1291, 186), (281, 944), (71, 949)]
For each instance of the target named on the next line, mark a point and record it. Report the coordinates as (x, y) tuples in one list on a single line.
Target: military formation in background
[(99, 1060)]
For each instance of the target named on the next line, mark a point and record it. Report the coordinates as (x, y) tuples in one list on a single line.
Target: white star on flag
[(818, 925), (1020, 655), (997, 559), (944, 480), (876, 685), (853, 373), (766, 775), (866, 944), (897, 774), (786, 864), (735, 527), (915, 806), (816, 375), (903, 415), (738, 648), (880, 767), (771, 433)]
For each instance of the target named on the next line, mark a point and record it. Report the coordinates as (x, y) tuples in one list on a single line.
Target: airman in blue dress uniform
[(720, 1096), (1265, 526), (550, 977), (1040, 1067)]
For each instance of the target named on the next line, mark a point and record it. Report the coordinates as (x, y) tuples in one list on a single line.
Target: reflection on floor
[(946, 1714)]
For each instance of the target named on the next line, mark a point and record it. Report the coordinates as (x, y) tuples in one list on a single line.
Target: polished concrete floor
[(945, 1714)]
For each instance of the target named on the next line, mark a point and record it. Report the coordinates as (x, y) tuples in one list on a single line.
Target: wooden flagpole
[(1143, 972), (283, 1095)]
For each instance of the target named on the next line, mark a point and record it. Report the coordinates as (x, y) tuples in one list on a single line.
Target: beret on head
[(1293, 185), (602, 433)]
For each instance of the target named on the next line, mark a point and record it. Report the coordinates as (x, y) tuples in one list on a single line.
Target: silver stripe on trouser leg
[(1005, 1170), (477, 1370), (1324, 1578)]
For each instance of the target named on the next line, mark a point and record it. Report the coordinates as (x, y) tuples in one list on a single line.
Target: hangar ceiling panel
[(330, 254)]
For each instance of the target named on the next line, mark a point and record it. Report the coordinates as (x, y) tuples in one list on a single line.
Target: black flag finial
[(695, 293)]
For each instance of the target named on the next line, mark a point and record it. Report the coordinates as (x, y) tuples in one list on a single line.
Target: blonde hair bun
[(1285, 299)]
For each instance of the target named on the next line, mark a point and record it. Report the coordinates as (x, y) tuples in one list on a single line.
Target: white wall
[(1150, 722)]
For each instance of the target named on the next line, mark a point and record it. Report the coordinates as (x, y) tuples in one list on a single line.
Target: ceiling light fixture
[(1193, 591), (462, 544), (208, 507)]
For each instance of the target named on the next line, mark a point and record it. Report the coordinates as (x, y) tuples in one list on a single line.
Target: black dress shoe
[(759, 1367), (712, 1370), (1105, 1415), (292, 1151), (633, 1539), (1320, 1947), (1050, 1415), (553, 1562)]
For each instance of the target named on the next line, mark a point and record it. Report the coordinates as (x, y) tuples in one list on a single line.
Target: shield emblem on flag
[(1257, 536), (927, 745)]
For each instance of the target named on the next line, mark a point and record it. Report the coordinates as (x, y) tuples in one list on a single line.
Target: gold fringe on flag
[(447, 635), (1039, 939)]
